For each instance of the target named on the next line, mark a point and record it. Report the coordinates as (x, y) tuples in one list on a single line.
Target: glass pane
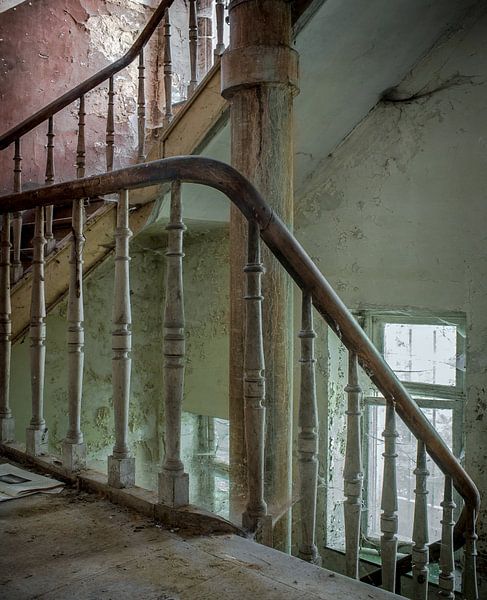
[(441, 419), (422, 353)]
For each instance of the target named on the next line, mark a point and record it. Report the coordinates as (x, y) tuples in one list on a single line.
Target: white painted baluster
[(36, 435), (220, 17), (167, 69), (121, 466), (353, 474), (110, 130), (74, 449), (141, 109), (173, 481), (7, 425), (388, 519), (308, 436), (446, 582), (17, 268), (469, 579), (193, 47), (49, 210), (254, 383), (420, 553)]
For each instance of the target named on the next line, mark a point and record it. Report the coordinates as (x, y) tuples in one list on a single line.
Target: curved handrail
[(86, 86), (289, 252)]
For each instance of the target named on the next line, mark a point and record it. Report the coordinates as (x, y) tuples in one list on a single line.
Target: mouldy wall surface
[(147, 277), (396, 216)]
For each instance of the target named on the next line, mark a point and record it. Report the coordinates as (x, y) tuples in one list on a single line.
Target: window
[(428, 355)]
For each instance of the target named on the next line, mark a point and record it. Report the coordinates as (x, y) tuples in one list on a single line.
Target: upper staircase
[(41, 214)]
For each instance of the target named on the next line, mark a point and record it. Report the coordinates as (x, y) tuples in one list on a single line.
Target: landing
[(74, 545)]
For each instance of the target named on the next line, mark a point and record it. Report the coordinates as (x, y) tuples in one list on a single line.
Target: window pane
[(422, 353), (441, 419)]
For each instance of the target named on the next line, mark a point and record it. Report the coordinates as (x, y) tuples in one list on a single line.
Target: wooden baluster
[(110, 137), (49, 210), (121, 466), (193, 46), (388, 519), (469, 578), (308, 436), (168, 115), (17, 268), (141, 109), (420, 553), (353, 474), (37, 435), (7, 425), (81, 149), (173, 481), (204, 20), (446, 581), (254, 383), (220, 18)]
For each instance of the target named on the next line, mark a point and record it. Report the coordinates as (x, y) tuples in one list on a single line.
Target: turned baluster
[(17, 268), (353, 474), (220, 18), (49, 210), (121, 466), (37, 435), (141, 110), (110, 134), (193, 46), (254, 383), (168, 115), (204, 20), (469, 578), (420, 552), (81, 149), (308, 436), (388, 519), (7, 426), (446, 581), (173, 481)]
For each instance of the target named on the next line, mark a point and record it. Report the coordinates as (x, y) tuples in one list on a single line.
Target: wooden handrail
[(56, 105), (294, 259)]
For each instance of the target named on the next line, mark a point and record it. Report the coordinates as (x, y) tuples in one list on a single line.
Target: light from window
[(422, 353)]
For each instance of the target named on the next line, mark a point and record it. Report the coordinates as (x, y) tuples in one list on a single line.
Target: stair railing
[(265, 225), (199, 45)]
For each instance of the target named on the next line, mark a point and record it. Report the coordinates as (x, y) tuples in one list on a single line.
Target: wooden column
[(420, 554), (17, 268), (254, 383), (7, 425), (193, 47), (446, 581), (259, 77), (37, 436), (352, 473), (388, 518), (110, 131), (308, 436), (173, 481), (168, 115), (49, 210), (121, 466)]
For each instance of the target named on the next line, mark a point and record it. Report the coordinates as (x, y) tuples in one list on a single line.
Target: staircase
[(42, 211)]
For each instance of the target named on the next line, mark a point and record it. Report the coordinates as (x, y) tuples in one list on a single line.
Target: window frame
[(425, 395)]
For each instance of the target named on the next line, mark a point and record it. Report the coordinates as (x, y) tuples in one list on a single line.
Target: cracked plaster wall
[(396, 218), (49, 46)]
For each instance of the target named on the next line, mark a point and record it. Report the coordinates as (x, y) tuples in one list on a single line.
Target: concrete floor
[(75, 545)]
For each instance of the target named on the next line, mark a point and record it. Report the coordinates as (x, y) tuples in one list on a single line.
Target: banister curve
[(286, 248), (56, 105)]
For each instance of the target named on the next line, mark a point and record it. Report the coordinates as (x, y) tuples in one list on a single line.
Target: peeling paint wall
[(49, 46), (395, 217)]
